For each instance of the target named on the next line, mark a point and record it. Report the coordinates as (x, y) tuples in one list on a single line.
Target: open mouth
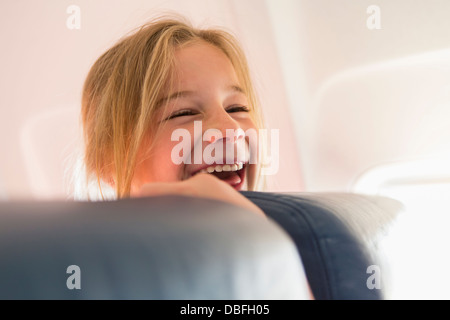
[(233, 174)]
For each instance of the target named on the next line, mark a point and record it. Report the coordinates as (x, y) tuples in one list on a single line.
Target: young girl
[(166, 77)]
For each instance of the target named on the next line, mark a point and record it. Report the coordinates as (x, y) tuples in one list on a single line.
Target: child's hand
[(202, 185)]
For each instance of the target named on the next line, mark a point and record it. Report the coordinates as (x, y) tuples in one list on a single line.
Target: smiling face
[(207, 90)]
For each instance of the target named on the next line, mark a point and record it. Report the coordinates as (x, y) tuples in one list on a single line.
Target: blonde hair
[(123, 87)]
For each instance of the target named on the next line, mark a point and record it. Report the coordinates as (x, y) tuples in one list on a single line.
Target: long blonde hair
[(123, 87)]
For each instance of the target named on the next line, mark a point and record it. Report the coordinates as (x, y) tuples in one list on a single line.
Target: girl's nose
[(231, 136), (229, 128)]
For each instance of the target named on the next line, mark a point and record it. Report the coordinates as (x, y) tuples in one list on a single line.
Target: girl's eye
[(233, 109), (181, 113)]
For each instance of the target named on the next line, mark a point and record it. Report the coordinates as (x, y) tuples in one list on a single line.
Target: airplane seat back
[(174, 247)]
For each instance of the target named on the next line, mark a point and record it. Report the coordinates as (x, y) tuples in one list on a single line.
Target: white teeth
[(224, 167)]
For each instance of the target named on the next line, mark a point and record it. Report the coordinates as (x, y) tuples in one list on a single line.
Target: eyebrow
[(175, 95), (187, 93)]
